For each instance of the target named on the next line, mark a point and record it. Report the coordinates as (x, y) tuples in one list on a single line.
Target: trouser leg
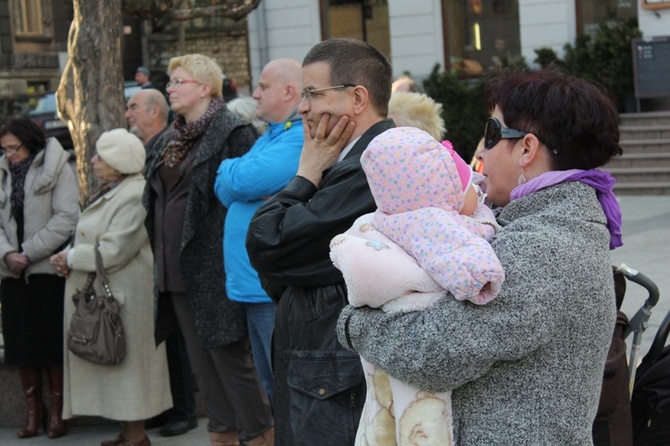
[(218, 408), (243, 389), (181, 378), (261, 322)]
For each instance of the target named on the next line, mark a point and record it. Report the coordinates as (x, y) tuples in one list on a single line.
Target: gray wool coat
[(218, 320), (525, 369), (50, 209)]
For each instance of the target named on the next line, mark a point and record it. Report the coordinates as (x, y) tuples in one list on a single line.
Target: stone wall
[(228, 47)]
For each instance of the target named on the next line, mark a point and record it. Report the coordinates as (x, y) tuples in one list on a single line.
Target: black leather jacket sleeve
[(289, 236)]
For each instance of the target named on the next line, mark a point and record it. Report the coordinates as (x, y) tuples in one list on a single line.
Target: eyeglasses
[(10, 150), (308, 93), (179, 81), (494, 132)]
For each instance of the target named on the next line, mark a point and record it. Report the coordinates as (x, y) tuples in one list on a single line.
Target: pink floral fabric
[(418, 191)]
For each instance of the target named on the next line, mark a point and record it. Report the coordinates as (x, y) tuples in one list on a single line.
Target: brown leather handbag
[(96, 331)]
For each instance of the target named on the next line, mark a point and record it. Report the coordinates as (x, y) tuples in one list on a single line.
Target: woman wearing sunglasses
[(526, 368)]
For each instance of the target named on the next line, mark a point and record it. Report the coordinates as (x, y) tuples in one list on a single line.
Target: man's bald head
[(278, 91), (147, 112)]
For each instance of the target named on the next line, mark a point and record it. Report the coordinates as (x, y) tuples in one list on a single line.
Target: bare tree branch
[(235, 10), (156, 9)]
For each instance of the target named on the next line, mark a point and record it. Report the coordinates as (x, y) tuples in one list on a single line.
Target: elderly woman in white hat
[(138, 387)]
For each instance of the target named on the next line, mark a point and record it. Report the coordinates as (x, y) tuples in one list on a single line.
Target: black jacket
[(318, 385)]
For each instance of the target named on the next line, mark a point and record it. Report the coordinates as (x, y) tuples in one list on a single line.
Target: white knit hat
[(122, 150)]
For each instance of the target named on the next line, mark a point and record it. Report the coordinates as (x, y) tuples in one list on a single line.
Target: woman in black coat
[(185, 225)]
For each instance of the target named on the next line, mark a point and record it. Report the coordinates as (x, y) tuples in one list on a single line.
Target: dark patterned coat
[(218, 320)]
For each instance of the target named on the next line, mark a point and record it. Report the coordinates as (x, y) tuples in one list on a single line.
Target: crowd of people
[(319, 262)]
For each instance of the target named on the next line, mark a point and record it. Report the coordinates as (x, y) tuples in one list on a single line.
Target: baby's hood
[(407, 169)]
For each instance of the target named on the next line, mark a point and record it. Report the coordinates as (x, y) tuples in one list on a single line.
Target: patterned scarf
[(19, 171), (184, 135)]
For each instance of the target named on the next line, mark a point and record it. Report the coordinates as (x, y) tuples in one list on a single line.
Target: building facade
[(33, 42), (473, 35)]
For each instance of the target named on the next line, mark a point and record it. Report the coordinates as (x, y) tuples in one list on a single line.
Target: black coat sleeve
[(289, 236)]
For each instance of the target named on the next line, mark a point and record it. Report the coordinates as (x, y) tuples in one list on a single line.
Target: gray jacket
[(525, 369), (50, 209)]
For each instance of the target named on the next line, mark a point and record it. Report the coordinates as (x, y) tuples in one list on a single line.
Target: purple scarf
[(601, 181)]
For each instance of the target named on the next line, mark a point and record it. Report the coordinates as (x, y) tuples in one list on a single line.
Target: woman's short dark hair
[(26, 130), (356, 62), (572, 116)]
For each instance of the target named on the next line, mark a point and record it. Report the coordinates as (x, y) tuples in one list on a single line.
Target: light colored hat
[(122, 150)]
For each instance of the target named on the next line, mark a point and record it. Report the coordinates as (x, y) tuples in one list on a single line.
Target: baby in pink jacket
[(428, 237)]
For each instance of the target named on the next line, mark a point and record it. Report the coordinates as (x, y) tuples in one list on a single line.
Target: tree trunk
[(90, 94)]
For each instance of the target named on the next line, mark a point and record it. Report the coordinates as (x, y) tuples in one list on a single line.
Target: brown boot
[(224, 438), (267, 438), (115, 442), (31, 382), (56, 427), (143, 442)]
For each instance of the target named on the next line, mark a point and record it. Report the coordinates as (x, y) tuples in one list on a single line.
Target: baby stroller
[(635, 400)]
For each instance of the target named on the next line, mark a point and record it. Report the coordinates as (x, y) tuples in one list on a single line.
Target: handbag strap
[(100, 269)]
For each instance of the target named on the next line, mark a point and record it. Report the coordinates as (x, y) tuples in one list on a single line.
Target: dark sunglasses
[(494, 132)]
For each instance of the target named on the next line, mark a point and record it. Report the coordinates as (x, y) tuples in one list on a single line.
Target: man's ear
[(361, 99), (290, 92)]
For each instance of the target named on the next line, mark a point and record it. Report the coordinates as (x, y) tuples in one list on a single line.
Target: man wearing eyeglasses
[(319, 387)]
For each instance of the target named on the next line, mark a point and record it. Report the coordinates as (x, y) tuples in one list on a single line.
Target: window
[(27, 17), (591, 13), (482, 35), (366, 20)]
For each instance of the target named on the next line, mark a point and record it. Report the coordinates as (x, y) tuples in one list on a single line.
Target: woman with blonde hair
[(410, 109), (113, 224), (185, 222)]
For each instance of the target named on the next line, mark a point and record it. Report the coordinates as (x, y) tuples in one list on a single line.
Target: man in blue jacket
[(244, 183)]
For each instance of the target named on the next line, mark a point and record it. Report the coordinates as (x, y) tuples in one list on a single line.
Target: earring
[(522, 179)]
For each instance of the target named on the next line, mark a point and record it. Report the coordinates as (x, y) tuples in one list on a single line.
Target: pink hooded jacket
[(419, 191)]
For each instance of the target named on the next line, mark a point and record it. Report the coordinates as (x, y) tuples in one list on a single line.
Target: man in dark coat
[(319, 386), (147, 113)]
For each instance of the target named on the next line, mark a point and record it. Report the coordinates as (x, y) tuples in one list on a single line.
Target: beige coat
[(50, 208), (138, 388)]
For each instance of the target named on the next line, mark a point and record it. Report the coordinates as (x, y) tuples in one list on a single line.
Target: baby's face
[(470, 201)]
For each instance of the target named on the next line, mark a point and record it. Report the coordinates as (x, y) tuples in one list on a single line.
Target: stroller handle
[(638, 323), (642, 280)]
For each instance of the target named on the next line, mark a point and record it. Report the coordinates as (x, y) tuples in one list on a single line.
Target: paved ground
[(92, 436), (646, 232), (646, 238)]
